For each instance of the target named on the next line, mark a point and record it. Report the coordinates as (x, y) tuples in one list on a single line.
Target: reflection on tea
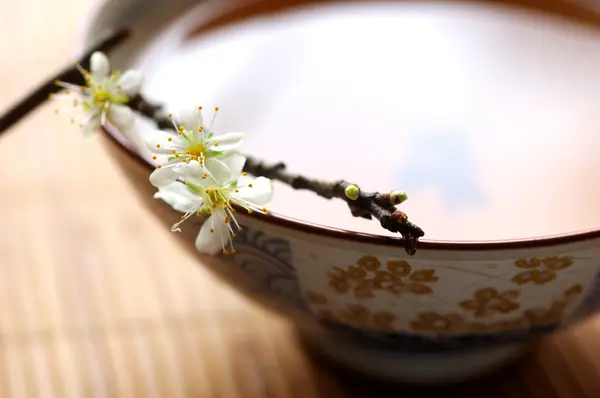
[(488, 121)]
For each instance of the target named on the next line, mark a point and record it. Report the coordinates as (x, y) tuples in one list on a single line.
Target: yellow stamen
[(225, 252), (158, 166), (170, 139), (240, 229), (244, 174), (153, 157), (212, 231), (216, 109), (170, 115), (249, 185), (158, 145)]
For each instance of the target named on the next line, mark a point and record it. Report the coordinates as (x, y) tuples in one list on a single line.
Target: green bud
[(397, 197), (352, 192)]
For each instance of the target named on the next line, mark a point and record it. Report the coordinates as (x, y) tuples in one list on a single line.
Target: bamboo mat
[(91, 304), (97, 300)]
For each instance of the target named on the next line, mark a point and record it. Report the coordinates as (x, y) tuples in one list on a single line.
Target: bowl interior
[(486, 117)]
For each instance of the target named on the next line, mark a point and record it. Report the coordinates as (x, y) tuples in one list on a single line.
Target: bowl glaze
[(452, 311)]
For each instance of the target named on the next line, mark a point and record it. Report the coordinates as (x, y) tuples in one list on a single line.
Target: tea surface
[(488, 119)]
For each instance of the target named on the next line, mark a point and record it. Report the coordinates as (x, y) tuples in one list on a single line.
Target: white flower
[(105, 95), (191, 140), (205, 195)]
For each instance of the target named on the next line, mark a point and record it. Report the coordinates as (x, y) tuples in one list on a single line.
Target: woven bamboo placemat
[(96, 299)]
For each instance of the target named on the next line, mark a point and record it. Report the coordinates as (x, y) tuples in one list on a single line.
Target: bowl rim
[(239, 14), (383, 240)]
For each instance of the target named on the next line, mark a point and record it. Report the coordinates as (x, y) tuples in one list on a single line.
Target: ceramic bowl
[(452, 311)]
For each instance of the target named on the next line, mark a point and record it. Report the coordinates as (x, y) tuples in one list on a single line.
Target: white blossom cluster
[(198, 172)]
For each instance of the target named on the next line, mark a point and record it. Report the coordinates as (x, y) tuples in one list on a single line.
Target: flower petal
[(120, 116), (191, 118), (213, 242), (160, 138), (228, 141), (193, 172), (236, 163), (219, 171), (189, 169), (131, 82), (91, 124), (163, 177), (178, 196), (260, 193), (99, 66)]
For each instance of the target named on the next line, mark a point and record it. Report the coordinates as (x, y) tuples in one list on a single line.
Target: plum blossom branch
[(368, 205)]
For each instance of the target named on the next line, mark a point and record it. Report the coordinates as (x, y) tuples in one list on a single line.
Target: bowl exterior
[(366, 302)]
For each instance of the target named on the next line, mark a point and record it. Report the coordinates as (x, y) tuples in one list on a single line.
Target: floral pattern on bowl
[(414, 303)]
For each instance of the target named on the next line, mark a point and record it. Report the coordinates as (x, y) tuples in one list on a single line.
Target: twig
[(71, 74), (381, 206)]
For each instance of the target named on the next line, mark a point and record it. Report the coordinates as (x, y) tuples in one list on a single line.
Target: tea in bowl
[(487, 130)]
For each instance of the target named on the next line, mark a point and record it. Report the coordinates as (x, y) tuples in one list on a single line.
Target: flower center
[(196, 150), (217, 198), (101, 96), (108, 91)]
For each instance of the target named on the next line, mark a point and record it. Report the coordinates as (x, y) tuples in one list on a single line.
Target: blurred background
[(91, 306)]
